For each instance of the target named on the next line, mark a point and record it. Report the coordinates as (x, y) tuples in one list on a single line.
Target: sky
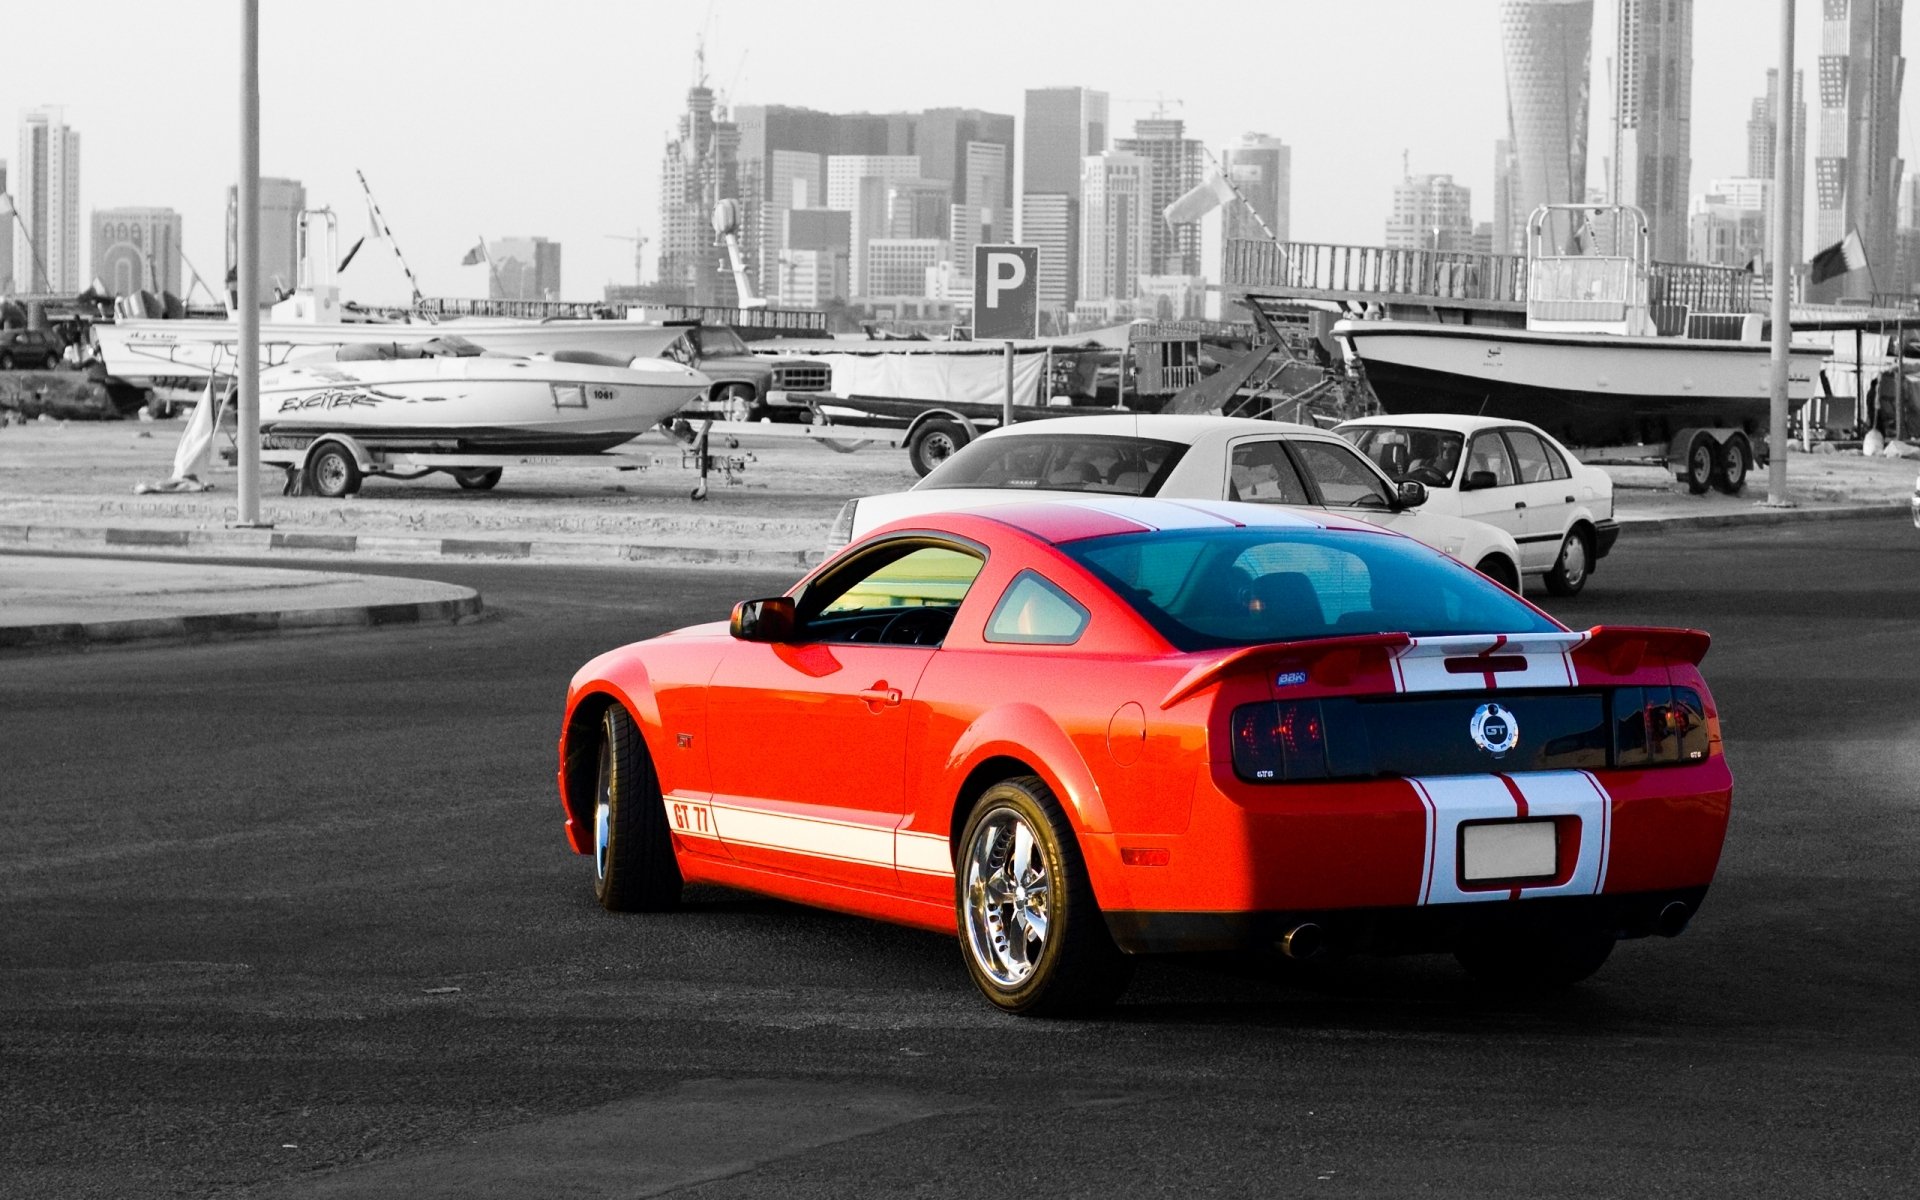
[(508, 118)]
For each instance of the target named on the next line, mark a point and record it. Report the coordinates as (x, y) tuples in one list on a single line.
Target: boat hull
[(474, 405), (1584, 389)]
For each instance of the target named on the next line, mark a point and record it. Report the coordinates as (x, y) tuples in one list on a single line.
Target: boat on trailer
[(1593, 366)]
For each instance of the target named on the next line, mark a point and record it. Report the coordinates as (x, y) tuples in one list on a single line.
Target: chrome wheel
[(1006, 898), (1573, 561), (603, 810)]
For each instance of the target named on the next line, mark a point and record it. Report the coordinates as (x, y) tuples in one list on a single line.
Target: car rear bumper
[(1407, 930), (1605, 534)]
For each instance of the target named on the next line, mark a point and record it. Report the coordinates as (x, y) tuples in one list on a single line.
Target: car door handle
[(1569, 499), (879, 693), (1519, 503)]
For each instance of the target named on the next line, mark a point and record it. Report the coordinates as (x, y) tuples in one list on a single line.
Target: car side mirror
[(1479, 479), (1412, 494), (769, 620)]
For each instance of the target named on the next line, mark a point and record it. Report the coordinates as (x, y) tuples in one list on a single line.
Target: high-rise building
[(813, 267), (898, 266), (281, 203), (1762, 142), (1261, 168), (857, 184), (979, 214), (701, 167), (524, 268), (46, 195), (1727, 226), (1547, 46), (1116, 225), (1653, 118), (1179, 163), (7, 286), (1857, 173), (919, 208), (1063, 126), (1430, 212), (1509, 226), (137, 249)]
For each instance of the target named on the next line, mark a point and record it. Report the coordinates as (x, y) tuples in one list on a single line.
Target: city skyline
[(584, 164)]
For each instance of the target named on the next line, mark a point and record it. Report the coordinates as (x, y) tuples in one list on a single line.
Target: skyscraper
[(1116, 224), (979, 213), (524, 268), (1653, 118), (7, 285), (1762, 141), (1547, 46), (1063, 126), (1507, 235), (137, 249), (858, 184), (1261, 168), (46, 194), (1857, 175), (1178, 165), (701, 167), (1430, 212), (281, 203)]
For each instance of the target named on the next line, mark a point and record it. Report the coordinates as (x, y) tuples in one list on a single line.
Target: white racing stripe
[(1421, 666), (736, 822), (1450, 800)]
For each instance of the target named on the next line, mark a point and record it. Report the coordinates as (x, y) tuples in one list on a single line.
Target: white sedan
[(1184, 458), (1506, 473)]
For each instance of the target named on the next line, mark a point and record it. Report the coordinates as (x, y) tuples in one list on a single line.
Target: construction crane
[(639, 241)]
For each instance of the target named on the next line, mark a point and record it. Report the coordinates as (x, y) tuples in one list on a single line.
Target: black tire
[(1077, 968), (1535, 962), (1703, 463), (477, 479), (736, 403), (1574, 564), (1736, 462), (332, 473), (53, 361), (634, 867), (933, 443), (6, 361), (1497, 568)]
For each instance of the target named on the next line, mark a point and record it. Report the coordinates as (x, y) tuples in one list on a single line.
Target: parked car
[(1506, 473), (28, 348), (1188, 458), (749, 386), (1076, 731)]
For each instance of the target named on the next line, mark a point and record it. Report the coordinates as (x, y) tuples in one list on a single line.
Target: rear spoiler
[(1334, 661)]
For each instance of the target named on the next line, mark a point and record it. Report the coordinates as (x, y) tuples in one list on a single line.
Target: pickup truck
[(749, 386)]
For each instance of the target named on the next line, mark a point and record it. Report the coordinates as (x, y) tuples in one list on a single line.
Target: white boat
[(447, 395), (1589, 367)]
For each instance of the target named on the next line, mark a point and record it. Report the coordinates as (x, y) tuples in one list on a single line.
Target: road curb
[(1764, 516), (206, 627), (269, 542)]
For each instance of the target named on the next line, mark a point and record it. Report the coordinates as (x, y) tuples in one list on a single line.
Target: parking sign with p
[(1006, 292)]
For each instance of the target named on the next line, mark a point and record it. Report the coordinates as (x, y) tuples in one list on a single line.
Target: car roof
[(1165, 426), (1454, 422), (1060, 521)]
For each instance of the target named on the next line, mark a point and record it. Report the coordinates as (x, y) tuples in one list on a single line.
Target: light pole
[(1783, 152), (249, 266)]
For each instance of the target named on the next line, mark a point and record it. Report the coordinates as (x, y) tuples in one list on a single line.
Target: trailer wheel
[(1736, 459), (735, 402), (332, 472), (1703, 463), (934, 443), (477, 479)]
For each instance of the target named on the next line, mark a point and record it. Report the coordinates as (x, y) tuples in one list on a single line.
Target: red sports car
[(1074, 732)]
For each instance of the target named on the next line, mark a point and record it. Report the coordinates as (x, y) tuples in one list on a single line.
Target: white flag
[(1212, 192), (6, 204)]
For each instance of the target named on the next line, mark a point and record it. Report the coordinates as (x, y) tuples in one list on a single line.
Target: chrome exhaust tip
[(1304, 941), (1672, 919)]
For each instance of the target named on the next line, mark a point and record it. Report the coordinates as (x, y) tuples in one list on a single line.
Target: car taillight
[(842, 531), (1658, 726), (1273, 742)]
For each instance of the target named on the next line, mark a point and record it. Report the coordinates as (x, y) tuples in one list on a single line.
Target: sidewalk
[(82, 603)]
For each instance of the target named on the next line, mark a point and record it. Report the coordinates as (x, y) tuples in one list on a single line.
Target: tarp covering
[(976, 378)]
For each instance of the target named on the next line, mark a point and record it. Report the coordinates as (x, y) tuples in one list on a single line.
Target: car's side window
[(1343, 477), (1034, 611), (1537, 462), (1489, 454), (1260, 472), (904, 594)]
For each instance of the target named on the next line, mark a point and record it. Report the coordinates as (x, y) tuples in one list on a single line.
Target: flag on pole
[(6, 204), (475, 256), (350, 253), (1845, 255), (1212, 192), (376, 228)]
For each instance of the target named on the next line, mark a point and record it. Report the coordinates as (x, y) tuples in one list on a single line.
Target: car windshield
[(1204, 589), (714, 342), (1404, 452), (1060, 462)]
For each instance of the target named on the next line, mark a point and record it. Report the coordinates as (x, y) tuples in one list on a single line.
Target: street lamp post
[(1783, 153), (249, 265)]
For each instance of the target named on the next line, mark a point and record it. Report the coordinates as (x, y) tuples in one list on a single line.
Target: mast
[(380, 221)]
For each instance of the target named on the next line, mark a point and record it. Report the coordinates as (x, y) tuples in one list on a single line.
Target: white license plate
[(1508, 850)]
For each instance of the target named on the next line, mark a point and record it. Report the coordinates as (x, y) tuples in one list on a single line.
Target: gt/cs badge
[(1494, 730)]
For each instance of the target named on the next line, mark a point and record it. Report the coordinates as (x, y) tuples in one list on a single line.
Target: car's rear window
[(1060, 462), (1240, 587)]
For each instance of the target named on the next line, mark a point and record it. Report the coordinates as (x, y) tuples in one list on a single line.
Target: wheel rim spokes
[(603, 811), (1007, 899)]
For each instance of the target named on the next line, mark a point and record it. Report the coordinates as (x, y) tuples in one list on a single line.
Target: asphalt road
[(296, 918)]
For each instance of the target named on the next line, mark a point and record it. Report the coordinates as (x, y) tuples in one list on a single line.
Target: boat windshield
[(1405, 452), (444, 346), (1060, 462)]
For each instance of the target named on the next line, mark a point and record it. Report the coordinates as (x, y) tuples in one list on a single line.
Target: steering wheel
[(1431, 476), (917, 627)]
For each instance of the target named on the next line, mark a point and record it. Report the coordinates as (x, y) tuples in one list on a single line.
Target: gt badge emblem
[(1494, 729)]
